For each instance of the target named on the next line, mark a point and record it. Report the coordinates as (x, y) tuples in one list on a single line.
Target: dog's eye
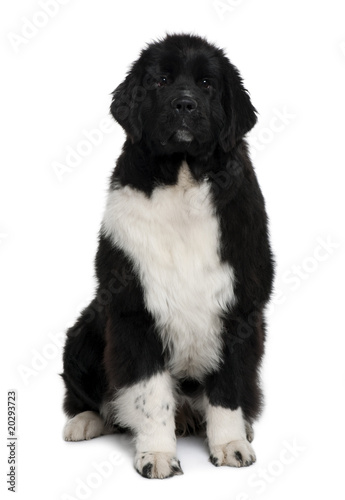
[(205, 83), (162, 81)]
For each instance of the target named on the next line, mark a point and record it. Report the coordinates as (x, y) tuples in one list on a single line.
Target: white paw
[(236, 454), (157, 465), (85, 425)]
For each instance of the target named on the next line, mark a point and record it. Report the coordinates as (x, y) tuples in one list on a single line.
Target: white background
[(55, 88)]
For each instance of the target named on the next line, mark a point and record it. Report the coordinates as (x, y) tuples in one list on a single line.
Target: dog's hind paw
[(85, 425)]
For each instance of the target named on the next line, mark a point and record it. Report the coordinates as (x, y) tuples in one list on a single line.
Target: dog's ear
[(125, 106), (240, 114)]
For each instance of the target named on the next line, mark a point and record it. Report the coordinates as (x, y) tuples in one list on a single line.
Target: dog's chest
[(173, 240)]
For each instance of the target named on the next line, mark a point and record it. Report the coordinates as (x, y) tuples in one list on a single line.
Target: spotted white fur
[(173, 240), (148, 408)]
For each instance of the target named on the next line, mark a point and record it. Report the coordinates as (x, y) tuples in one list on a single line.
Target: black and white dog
[(173, 340)]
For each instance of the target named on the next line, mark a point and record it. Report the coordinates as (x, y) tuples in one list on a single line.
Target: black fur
[(115, 342)]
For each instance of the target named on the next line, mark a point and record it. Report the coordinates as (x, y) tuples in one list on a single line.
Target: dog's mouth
[(182, 134)]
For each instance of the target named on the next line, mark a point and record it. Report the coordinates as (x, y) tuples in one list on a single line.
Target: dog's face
[(183, 95)]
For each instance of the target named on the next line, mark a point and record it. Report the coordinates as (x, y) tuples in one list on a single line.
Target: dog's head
[(183, 95)]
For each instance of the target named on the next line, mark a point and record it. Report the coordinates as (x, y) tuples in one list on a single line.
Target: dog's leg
[(226, 435), (148, 408), (143, 395), (83, 373), (234, 396)]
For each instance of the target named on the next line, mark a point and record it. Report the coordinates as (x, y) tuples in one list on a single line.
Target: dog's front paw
[(157, 465), (236, 454)]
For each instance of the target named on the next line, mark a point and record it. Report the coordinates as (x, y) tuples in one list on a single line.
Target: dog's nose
[(184, 104)]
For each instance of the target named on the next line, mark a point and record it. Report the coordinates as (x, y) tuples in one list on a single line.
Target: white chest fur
[(173, 240)]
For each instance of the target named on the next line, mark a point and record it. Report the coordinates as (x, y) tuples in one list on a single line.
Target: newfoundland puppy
[(172, 342)]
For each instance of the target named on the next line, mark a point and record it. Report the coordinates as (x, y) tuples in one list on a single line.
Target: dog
[(173, 340)]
